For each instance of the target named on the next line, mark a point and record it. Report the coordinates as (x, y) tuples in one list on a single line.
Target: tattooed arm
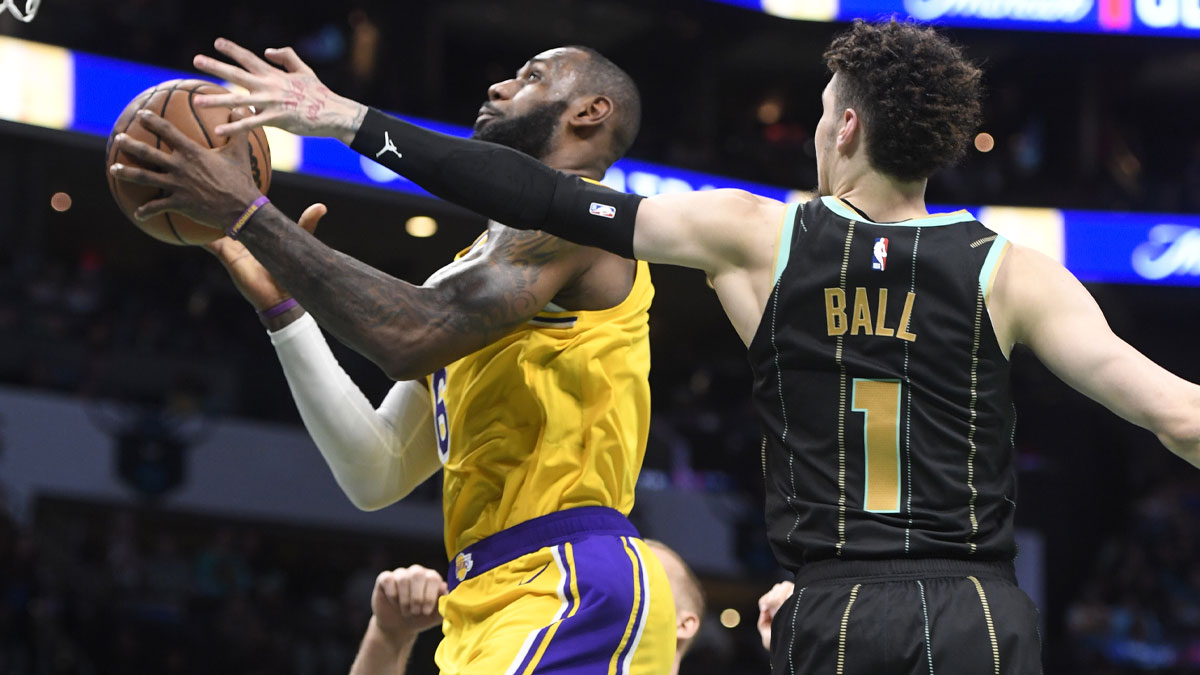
[(411, 331)]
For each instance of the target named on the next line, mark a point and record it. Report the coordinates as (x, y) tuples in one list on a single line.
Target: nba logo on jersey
[(879, 259), (603, 210), (463, 565)]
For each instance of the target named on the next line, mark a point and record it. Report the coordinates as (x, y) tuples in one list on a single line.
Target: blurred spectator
[(1140, 609)]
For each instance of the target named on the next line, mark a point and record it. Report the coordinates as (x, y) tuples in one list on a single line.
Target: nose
[(501, 90)]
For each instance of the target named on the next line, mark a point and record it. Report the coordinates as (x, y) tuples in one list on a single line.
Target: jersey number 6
[(441, 419)]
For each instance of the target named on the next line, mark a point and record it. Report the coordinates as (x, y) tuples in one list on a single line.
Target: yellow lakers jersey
[(552, 416)]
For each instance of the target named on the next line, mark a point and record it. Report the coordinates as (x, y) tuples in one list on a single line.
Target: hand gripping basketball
[(290, 97), (210, 186)]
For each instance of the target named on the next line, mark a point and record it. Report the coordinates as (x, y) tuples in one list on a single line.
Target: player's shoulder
[(1021, 275), (735, 201)]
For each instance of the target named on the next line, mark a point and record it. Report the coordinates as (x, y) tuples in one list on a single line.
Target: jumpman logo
[(388, 145)]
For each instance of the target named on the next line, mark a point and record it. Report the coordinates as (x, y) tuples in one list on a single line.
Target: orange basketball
[(173, 101)]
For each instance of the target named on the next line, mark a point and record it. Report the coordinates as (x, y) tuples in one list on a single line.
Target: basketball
[(173, 101)]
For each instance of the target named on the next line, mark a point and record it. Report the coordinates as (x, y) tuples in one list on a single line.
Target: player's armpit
[(1035, 301)]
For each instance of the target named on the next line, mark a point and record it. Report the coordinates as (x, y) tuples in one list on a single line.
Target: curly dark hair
[(918, 96)]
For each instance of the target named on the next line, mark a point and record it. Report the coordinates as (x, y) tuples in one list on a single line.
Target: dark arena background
[(163, 511)]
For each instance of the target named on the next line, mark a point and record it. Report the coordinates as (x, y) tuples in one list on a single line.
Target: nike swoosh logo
[(539, 573)]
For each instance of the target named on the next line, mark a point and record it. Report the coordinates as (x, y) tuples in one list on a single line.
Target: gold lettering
[(906, 317), (862, 313), (880, 329), (835, 311)]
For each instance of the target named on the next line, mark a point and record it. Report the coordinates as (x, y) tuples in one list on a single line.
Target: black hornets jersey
[(883, 393)]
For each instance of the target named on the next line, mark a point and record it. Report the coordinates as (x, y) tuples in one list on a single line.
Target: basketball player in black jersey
[(878, 335)]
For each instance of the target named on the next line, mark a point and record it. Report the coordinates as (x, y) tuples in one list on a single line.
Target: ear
[(592, 112), (849, 131), (686, 626)]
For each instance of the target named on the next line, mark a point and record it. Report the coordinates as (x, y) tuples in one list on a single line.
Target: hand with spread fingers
[(211, 186), (287, 94)]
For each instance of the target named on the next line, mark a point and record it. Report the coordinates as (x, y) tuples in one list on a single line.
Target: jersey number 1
[(879, 402)]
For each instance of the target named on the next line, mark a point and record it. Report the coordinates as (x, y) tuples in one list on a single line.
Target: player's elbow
[(411, 355), (1180, 432), (371, 501), (404, 368)]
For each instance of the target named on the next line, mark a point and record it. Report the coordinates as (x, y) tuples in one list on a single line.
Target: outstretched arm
[(714, 231), (1035, 301)]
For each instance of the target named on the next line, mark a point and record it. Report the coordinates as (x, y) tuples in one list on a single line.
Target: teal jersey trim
[(989, 265), (833, 204), (785, 241)]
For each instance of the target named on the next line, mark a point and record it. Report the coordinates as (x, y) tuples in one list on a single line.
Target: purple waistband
[(536, 533)]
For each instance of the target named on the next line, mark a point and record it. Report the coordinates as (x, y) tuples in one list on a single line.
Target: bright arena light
[(730, 618), (60, 201), (984, 142), (770, 110), (421, 226)]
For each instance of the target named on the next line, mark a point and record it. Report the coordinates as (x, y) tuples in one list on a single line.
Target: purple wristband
[(237, 226), (278, 309)]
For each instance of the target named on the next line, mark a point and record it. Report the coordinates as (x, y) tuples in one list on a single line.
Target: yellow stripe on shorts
[(637, 601)]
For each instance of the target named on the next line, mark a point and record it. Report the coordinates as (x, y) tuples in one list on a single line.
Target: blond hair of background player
[(689, 599)]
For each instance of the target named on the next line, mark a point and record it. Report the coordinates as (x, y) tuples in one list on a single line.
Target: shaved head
[(598, 76)]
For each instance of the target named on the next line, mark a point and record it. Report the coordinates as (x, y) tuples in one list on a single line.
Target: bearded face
[(531, 133)]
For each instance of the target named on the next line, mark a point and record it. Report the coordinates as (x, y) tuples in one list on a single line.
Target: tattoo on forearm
[(459, 311)]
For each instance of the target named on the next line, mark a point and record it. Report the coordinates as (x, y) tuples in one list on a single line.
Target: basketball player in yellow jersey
[(536, 354)]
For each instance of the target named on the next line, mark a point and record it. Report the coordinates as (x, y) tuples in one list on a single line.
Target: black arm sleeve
[(501, 183)]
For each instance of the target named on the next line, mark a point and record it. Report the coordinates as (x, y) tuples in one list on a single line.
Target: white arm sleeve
[(377, 456)]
